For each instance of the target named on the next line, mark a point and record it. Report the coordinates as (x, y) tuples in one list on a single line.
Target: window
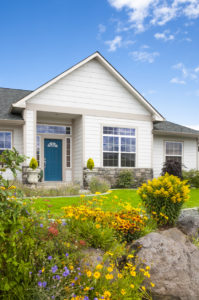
[(53, 129), (39, 150), (5, 140), (174, 151), (119, 147), (68, 152)]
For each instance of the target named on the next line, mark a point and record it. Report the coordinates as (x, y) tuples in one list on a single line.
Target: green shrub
[(98, 185), (33, 163), (192, 177), (163, 198), (172, 168), (90, 164), (125, 179)]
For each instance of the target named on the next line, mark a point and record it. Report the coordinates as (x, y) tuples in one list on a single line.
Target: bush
[(163, 198), (192, 177), (98, 185), (33, 163), (172, 168), (90, 164), (125, 179)]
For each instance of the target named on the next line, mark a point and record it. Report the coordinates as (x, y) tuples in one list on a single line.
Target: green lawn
[(54, 205)]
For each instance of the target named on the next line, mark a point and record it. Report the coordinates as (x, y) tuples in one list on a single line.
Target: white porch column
[(29, 133)]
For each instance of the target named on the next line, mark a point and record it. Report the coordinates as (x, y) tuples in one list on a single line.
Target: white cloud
[(142, 13), (177, 81), (101, 30), (114, 44), (165, 36), (197, 69), (144, 56)]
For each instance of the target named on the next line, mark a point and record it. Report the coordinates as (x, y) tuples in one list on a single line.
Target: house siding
[(190, 153), (77, 155), (90, 86), (93, 139)]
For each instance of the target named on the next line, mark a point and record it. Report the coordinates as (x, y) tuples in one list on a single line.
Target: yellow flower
[(82, 196), (110, 269), (97, 275), (3, 188), (132, 286), (97, 193), (86, 289), (71, 267), (99, 267), (43, 269), (24, 203), (147, 274), (143, 288), (152, 284), (147, 268), (89, 273), (133, 273), (97, 226), (107, 294), (119, 275), (123, 292), (109, 276)]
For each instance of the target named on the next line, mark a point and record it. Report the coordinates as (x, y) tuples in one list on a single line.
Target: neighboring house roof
[(169, 128), (110, 68), (7, 98)]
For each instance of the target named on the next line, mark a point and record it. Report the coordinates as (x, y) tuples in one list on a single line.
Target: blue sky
[(154, 44)]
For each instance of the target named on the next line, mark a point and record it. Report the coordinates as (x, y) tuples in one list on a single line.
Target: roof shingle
[(7, 98), (169, 127)]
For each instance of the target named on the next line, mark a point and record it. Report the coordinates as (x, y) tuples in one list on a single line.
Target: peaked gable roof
[(7, 98), (157, 116)]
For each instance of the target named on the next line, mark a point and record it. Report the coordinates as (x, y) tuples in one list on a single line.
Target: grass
[(110, 203)]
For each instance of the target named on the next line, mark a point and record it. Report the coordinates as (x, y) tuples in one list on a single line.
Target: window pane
[(173, 148), (174, 158), (5, 140), (68, 153), (110, 159), (110, 143), (127, 145), (128, 160), (53, 129), (119, 131), (108, 130)]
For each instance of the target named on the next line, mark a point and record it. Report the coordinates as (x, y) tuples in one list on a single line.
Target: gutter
[(181, 134)]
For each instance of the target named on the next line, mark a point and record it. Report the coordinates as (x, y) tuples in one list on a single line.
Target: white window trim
[(119, 146), (68, 137), (4, 131), (174, 155)]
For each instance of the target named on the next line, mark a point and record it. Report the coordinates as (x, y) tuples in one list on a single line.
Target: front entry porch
[(56, 143)]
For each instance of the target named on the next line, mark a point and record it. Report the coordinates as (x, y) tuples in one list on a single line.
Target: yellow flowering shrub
[(128, 223), (163, 198)]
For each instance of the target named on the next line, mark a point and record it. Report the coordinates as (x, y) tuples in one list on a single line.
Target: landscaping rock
[(91, 258), (174, 263), (188, 222)]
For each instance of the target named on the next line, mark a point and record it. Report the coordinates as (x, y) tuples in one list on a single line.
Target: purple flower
[(95, 298), (66, 272), (40, 283), (44, 284), (20, 230), (92, 288), (30, 273), (53, 297), (41, 225), (49, 257), (72, 284), (64, 223), (40, 271), (53, 277), (86, 298), (57, 277), (54, 269), (66, 254), (79, 273), (76, 278)]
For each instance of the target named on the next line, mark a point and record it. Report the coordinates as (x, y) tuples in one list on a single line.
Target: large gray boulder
[(174, 263), (188, 222)]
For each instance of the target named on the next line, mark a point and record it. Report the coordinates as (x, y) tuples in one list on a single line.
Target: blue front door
[(52, 160)]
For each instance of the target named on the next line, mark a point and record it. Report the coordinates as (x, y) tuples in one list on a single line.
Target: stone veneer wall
[(111, 174)]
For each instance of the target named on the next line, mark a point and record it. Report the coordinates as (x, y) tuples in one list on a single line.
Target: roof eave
[(11, 122), (172, 133)]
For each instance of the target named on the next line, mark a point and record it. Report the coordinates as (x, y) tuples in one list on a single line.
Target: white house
[(90, 110)]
